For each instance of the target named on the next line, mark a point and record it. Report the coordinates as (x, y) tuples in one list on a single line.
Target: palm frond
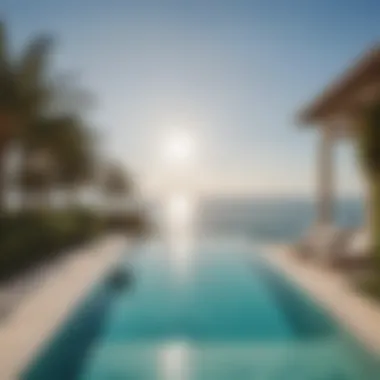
[(4, 48), (33, 71)]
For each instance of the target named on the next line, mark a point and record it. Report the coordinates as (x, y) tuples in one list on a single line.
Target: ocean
[(276, 219)]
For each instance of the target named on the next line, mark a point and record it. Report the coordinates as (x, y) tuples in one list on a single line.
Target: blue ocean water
[(277, 219)]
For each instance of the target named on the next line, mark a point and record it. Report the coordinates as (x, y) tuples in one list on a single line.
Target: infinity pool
[(217, 312)]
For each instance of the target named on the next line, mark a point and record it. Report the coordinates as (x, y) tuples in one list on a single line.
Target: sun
[(178, 146)]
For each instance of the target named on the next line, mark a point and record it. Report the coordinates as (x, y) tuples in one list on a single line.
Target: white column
[(325, 177)]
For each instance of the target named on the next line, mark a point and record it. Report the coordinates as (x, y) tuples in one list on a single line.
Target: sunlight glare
[(175, 361), (180, 209), (180, 220), (178, 146)]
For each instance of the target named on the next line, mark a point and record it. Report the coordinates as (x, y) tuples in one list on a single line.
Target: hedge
[(29, 238)]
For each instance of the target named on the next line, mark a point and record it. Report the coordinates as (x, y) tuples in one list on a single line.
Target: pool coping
[(356, 312), (37, 317)]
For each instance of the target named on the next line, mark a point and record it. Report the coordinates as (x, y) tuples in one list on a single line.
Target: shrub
[(29, 238), (134, 223)]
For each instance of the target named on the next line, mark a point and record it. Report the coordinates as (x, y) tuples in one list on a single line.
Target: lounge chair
[(355, 253), (319, 243)]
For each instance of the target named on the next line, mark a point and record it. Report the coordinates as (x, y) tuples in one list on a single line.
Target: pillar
[(325, 180)]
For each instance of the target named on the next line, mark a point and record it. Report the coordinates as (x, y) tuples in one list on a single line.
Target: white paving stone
[(355, 311)]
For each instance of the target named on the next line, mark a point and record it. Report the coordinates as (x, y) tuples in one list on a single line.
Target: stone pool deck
[(45, 307), (357, 313)]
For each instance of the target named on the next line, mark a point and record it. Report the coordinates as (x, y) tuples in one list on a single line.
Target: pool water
[(216, 312)]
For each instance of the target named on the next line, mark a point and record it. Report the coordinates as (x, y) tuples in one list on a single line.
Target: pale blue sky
[(235, 72)]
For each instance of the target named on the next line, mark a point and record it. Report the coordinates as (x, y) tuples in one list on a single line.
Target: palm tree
[(116, 182), (24, 90), (69, 97), (43, 112), (74, 153), (36, 178), (120, 192), (64, 155), (8, 103)]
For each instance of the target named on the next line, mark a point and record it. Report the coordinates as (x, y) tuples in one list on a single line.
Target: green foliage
[(368, 140), (24, 88), (28, 90), (32, 72), (29, 238), (58, 151), (116, 181), (133, 223), (370, 285), (68, 145)]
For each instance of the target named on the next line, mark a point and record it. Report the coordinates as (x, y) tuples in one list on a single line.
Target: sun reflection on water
[(175, 361), (180, 229)]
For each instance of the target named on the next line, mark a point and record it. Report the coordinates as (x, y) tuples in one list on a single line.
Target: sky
[(234, 74)]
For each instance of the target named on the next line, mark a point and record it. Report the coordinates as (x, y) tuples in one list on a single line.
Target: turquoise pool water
[(216, 312)]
